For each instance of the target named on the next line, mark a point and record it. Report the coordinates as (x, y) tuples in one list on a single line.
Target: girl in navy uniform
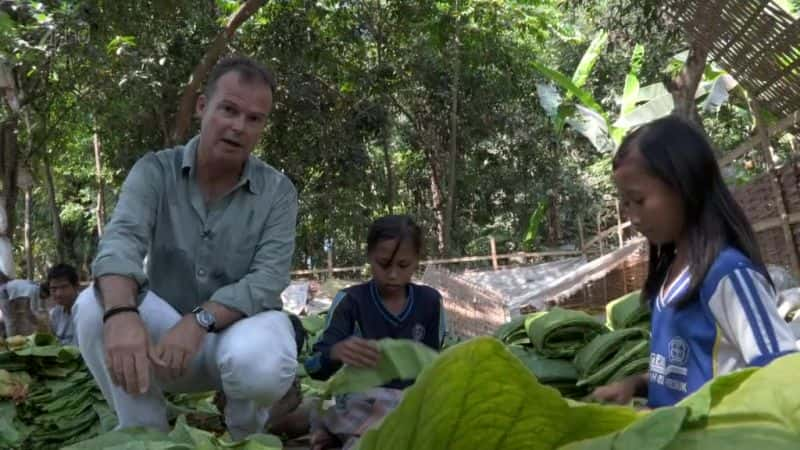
[(387, 306), (712, 300)]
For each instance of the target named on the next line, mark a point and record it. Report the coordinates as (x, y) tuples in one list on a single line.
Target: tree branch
[(200, 73)]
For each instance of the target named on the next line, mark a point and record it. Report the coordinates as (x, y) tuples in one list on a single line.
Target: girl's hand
[(621, 392), (358, 352)]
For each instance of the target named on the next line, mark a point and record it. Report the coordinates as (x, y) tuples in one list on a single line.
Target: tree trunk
[(27, 232), (101, 198), (9, 154), (200, 73), (387, 162), (684, 86), (55, 213), (438, 211), (452, 147)]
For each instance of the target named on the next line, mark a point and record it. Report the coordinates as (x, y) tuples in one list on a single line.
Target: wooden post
[(580, 236), (330, 263), (769, 161), (602, 252), (619, 226), (493, 248), (27, 232)]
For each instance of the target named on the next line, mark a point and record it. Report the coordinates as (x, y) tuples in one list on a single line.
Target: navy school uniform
[(360, 311), (732, 322)]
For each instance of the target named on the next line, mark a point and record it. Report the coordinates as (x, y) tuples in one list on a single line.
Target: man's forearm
[(116, 291)]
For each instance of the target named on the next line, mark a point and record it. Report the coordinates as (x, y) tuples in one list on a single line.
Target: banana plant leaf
[(401, 359), (561, 333)]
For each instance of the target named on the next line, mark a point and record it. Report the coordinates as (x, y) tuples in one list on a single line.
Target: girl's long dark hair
[(679, 154)]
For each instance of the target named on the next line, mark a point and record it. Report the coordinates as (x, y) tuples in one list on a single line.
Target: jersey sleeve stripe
[(746, 305), (760, 309)]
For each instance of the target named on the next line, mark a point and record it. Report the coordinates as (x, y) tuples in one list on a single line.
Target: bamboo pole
[(769, 161), (493, 247), (619, 225)]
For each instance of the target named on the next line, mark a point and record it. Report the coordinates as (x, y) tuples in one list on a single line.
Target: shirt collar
[(190, 157)]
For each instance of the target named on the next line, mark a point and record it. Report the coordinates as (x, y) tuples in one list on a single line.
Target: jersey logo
[(418, 332), (678, 351)]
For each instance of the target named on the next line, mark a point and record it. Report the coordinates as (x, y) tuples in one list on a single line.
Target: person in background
[(387, 306), (62, 284), (14, 292), (712, 299)]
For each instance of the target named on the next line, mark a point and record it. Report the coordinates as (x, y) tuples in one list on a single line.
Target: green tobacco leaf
[(741, 437), (313, 324), (708, 396), (767, 396), (478, 395), (11, 434), (401, 359), (199, 439)]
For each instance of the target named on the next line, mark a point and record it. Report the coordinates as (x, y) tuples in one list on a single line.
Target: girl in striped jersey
[(712, 300)]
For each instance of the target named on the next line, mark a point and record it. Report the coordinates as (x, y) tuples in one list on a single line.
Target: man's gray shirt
[(236, 251)]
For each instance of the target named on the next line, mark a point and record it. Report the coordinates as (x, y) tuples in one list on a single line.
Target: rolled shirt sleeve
[(260, 289), (127, 237)]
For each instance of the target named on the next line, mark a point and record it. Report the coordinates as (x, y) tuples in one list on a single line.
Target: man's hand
[(127, 349), (177, 348), (358, 352)]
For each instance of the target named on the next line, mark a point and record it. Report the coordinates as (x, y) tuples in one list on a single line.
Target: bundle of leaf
[(514, 332), (63, 411), (601, 360), (627, 311), (560, 333), (60, 404), (557, 373)]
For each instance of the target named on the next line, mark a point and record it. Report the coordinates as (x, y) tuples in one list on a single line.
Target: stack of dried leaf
[(47, 397), (575, 352)]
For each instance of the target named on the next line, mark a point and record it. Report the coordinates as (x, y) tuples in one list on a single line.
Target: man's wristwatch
[(205, 319)]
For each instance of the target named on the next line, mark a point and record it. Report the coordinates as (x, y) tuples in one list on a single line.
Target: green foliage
[(400, 360), (753, 408)]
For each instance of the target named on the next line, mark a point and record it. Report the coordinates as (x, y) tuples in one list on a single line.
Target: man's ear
[(200, 105)]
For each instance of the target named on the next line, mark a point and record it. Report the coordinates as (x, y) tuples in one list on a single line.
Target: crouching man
[(218, 228)]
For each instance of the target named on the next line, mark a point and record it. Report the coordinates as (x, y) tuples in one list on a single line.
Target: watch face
[(205, 319)]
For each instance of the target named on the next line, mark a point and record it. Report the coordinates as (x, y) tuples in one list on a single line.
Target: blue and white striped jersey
[(731, 323)]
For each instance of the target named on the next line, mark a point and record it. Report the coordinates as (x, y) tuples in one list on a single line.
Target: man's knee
[(87, 313), (261, 363)]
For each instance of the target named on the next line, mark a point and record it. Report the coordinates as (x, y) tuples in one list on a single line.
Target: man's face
[(233, 119), (63, 292)]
